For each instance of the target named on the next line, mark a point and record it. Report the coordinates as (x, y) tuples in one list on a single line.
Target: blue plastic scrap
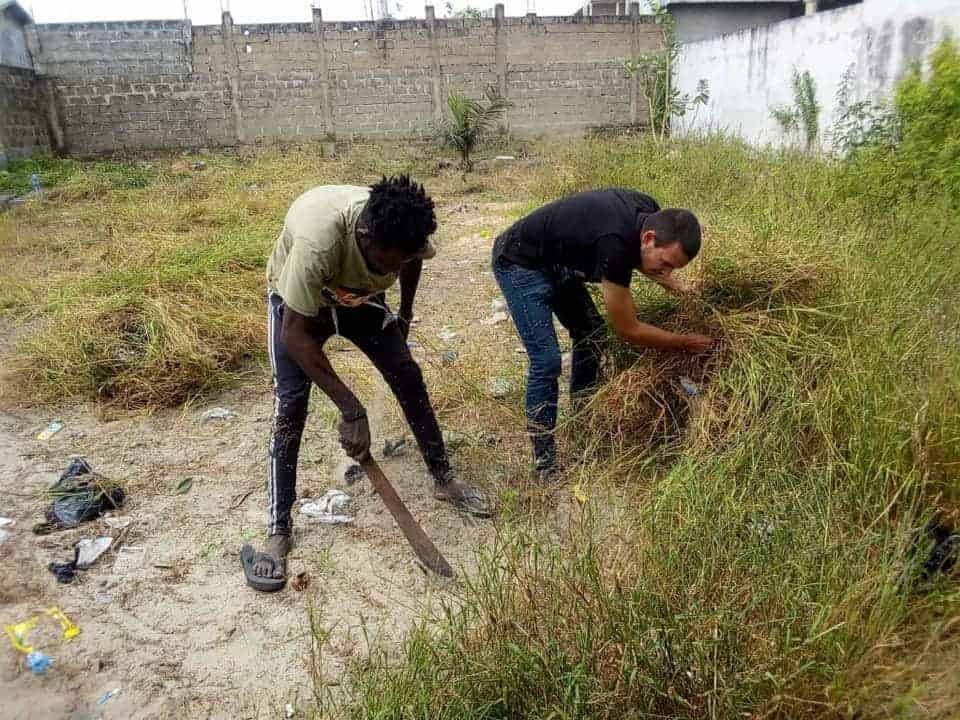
[(689, 387), (38, 662)]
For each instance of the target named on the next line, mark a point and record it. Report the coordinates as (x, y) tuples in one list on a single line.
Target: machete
[(421, 544)]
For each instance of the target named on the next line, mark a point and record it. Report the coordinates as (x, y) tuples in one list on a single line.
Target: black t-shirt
[(593, 234)]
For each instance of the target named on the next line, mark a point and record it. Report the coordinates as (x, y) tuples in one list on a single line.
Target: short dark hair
[(674, 225), (400, 213)]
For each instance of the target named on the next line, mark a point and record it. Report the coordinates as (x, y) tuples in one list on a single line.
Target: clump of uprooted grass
[(650, 397), (771, 560)]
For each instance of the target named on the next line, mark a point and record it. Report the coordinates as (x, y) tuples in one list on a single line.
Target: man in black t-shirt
[(541, 264)]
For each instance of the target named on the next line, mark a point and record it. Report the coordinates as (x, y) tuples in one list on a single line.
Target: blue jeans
[(534, 297)]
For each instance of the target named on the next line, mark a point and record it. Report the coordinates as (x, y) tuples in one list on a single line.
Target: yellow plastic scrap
[(18, 634), (70, 630)]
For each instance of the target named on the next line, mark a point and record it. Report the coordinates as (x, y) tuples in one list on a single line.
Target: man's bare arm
[(309, 355), (623, 317), (409, 280)]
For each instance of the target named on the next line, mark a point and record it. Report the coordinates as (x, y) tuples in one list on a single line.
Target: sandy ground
[(182, 636)]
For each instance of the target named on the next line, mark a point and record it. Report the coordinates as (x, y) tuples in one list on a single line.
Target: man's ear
[(648, 238)]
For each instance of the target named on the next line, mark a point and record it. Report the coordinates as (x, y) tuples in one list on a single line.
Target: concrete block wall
[(166, 84), (564, 74), (23, 128), (130, 85)]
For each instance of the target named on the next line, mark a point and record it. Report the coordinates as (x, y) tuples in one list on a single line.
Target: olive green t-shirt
[(316, 261)]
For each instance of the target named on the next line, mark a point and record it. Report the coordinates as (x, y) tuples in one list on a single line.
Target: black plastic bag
[(81, 496)]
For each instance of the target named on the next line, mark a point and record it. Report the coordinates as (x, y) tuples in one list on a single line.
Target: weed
[(761, 569), (804, 115), (469, 122)]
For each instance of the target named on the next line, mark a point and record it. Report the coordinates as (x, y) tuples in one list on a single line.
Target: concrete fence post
[(501, 48), (634, 52), (327, 109), (233, 72), (435, 76)]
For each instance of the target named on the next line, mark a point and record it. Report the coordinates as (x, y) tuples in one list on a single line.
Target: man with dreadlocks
[(341, 247)]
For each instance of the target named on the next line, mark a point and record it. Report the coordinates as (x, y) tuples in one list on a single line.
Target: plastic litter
[(19, 632), (129, 558), (944, 553), (64, 572), (497, 305), (199, 165), (81, 495), (7, 522), (289, 711), (217, 413), (499, 387), (395, 447), (352, 473), (566, 364), (447, 334), (689, 386), (117, 522), (88, 551), (70, 630), (495, 319), (50, 430), (5, 535), (448, 357), (38, 662), (102, 700), (330, 509)]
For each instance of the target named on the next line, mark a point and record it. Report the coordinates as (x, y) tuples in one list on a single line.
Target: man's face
[(660, 261), (388, 260)]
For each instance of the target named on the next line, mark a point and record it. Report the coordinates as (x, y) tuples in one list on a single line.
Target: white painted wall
[(750, 71)]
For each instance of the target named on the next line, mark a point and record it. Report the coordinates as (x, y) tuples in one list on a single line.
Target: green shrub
[(923, 161)]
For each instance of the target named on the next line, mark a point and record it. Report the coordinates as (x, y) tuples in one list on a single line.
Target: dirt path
[(182, 636)]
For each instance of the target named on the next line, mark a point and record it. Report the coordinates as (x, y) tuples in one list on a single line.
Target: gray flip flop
[(248, 558)]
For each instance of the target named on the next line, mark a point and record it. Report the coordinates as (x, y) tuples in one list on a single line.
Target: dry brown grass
[(141, 284)]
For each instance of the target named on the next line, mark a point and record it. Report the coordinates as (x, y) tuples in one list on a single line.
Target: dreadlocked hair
[(400, 213)]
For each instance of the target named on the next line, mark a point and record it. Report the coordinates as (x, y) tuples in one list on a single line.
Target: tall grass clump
[(769, 565), (141, 284)]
